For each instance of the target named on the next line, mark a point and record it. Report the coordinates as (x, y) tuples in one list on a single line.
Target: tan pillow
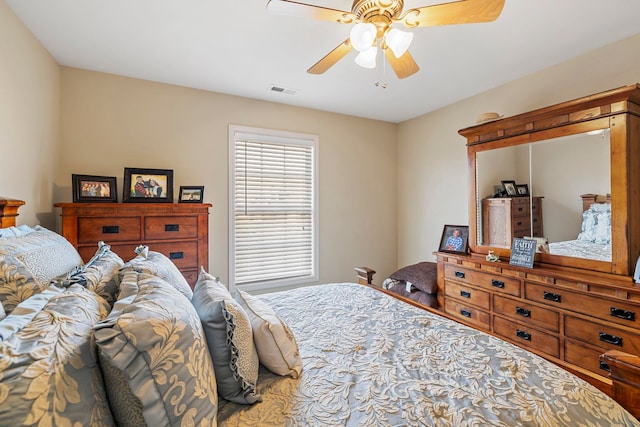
[(277, 347)]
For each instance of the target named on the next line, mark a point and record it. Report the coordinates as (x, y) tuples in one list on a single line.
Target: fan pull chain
[(382, 85)]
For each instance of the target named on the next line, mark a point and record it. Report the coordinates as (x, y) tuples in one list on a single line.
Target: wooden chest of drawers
[(508, 217), (568, 316), (180, 231)]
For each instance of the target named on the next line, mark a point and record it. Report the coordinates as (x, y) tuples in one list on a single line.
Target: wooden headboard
[(9, 211), (589, 199)]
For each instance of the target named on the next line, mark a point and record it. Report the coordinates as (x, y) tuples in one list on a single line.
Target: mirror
[(557, 172)]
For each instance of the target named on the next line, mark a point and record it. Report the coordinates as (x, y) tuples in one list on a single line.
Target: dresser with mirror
[(580, 161)]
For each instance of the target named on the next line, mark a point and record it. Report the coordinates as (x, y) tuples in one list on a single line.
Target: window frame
[(278, 137)]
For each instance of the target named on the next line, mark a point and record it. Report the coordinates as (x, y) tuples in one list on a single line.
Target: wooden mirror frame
[(618, 110)]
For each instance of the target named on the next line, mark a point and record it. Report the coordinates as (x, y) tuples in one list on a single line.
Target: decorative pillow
[(3, 314), (276, 346), (159, 265), (30, 261), (100, 274), (15, 231), (154, 342), (230, 340), (423, 276), (49, 373), (596, 224)]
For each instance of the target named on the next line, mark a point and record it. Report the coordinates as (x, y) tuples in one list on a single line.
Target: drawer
[(585, 356), (109, 229), (600, 335), (619, 312), (467, 313), (170, 227), (489, 281), (523, 312), (183, 254), (522, 226), (467, 294), (527, 336), (520, 208)]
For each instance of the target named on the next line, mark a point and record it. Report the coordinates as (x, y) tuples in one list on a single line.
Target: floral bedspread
[(371, 360)]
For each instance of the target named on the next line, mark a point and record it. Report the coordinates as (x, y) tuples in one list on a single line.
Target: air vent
[(281, 89)]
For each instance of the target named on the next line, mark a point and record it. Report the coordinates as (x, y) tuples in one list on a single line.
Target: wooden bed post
[(365, 275), (9, 211), (625, 374)]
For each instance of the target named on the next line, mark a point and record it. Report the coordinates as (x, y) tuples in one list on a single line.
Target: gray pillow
[(100, 274), (230, 340), (49, 373), (29, 262), (154, 338), (159, 265)]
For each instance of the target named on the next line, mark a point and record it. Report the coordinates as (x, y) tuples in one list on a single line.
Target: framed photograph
[(455, 239), (522, 189), (148, 185), (191, 194), (92, 188), (510, 188)]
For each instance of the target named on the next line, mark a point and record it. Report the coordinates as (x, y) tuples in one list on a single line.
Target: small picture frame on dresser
[(510, 188), (93, 188), (191, 194), (522, 190), (148, 185), (455, 239)]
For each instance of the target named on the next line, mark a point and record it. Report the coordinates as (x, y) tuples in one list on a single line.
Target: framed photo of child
[(455, 239)]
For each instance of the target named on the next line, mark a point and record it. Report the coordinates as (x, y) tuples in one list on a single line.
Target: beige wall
[(432, 165), (111, 122), (29, 120)]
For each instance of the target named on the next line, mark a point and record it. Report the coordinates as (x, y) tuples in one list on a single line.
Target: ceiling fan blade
[(331, 58), (458, 12), (293, 8), (403, 66)]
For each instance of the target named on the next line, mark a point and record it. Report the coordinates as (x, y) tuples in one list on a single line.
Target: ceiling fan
[(373, 29)]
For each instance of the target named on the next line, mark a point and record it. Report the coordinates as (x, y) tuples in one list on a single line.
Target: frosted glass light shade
[(398, 41), (367, 58), (362, 36)]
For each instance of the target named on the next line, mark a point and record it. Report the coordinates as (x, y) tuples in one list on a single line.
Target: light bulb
[(398, 41), (367, 58), (362, 36)]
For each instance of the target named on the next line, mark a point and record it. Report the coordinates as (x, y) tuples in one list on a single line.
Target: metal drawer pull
[(110, 229), (460, 274), (176, 255), (172, 227), (604, 366), (465, 313), (551, 296), (623, 314), (524, 335), (610, 339), (465, 294), (523, 312), (497, 283)]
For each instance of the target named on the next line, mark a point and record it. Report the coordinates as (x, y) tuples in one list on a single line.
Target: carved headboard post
[(9, 211)]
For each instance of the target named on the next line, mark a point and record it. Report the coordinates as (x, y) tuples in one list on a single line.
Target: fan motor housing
[(377, 11)]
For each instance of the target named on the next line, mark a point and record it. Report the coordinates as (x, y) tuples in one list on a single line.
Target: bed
[(594, 240), (348, 355)]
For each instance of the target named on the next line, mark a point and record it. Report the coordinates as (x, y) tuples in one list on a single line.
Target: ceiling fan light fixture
[(362, 36), (367, 58), (398, 41)]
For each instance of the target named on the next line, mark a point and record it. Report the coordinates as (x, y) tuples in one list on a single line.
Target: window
[(273, 221)]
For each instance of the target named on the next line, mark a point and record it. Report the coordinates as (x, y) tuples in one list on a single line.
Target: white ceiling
[(235, 47)]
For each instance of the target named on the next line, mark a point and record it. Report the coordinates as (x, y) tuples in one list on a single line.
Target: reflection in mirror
[(564, 169), (501, 216), (557, 173)]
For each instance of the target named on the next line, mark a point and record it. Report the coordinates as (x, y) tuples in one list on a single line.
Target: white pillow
[(15, 231), (2, 312), (276, 345)]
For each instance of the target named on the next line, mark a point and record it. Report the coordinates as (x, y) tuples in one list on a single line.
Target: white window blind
[(273, 209)]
